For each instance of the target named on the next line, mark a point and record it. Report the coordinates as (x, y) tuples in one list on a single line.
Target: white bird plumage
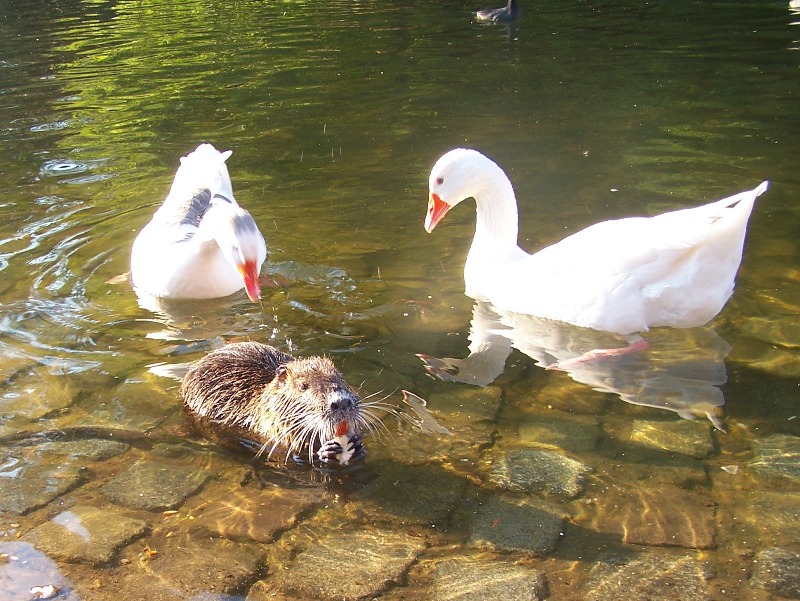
[(623, 276), (200, 243)]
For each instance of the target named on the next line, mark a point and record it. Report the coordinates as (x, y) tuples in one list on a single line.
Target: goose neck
[(497, 221)]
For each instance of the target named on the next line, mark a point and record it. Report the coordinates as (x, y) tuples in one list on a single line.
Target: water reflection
[(317, 292), (300, 302), (681, 370), (24, 570)]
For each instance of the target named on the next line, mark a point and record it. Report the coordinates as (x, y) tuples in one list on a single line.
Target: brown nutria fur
[(254, 392)]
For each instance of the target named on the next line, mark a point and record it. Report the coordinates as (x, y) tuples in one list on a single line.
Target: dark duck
[(509, 12)]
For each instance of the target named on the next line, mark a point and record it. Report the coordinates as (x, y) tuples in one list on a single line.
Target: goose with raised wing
[(200, 243), (623, 276)]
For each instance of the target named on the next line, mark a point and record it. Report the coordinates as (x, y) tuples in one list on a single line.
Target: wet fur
[(254, 392)]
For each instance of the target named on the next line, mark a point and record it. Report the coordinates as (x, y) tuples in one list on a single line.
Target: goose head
[(460, 174), (241, 244), (453, 178)]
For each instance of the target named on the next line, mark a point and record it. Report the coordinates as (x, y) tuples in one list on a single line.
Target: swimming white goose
[(200, 243), (623, 276)]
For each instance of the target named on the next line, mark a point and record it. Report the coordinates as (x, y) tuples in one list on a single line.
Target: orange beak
[(437, 208), (249, 273)]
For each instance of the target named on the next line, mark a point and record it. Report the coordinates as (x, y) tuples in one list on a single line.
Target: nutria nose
[(342, 402), (341, 399)]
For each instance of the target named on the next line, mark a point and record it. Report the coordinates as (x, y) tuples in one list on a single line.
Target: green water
[(335, 113)]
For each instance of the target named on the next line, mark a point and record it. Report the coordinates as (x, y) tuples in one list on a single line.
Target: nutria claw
[(330, 451)]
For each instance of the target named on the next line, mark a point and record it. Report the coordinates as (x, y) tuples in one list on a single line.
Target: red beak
[(249, 273), (437, 208)]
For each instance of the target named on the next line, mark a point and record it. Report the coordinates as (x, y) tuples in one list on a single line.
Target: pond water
[(592, 483)]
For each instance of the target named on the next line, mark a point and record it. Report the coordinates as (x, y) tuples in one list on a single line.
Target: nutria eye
[(439, 181), (303, 386)]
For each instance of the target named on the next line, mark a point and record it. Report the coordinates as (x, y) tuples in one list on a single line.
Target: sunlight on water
[(674, 468)]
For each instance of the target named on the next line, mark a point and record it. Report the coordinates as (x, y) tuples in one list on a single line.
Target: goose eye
[(439, 181)]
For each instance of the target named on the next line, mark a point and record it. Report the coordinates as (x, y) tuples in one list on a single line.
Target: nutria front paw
[(330, 451), (359, 450)]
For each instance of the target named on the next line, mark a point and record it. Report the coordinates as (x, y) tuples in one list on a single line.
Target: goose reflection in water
[(680, 371)]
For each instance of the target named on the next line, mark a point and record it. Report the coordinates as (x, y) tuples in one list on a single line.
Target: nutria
[(303, 407)]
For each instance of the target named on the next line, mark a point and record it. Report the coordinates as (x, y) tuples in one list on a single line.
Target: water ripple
[(87, 179), (52, 126), (58, 167), (30, 236), (62, 167)]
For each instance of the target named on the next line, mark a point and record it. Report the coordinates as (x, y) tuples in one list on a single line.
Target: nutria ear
[(280, 374)]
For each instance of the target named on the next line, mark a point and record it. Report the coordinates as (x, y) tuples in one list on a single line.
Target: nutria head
[(306, 404)]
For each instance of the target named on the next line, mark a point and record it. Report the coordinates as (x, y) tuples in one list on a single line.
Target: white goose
[(622, 276), (200, 243)]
